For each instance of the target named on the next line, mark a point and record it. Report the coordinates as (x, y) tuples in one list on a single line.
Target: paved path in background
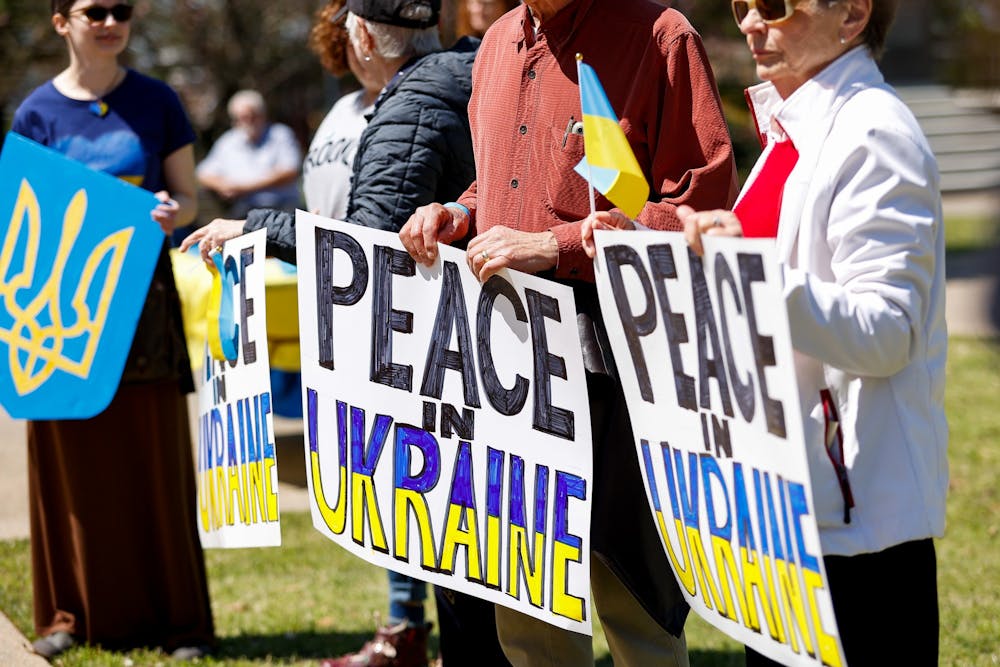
[(15, 650), (973, 298), (973, 309)]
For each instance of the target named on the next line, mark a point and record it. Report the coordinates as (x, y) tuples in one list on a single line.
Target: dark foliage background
[(208, 49)]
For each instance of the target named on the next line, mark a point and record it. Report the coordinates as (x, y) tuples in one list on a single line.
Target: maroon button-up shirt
[(525, 101)]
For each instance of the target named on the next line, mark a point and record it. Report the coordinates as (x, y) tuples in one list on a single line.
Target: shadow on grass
[(289, 645), (318, 645), (716, 658), (297, 645), (699, 657)]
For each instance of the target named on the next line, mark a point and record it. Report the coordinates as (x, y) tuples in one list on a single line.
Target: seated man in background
[(255, 164)]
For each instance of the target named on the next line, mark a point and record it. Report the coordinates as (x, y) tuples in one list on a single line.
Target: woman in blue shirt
[(115, 553)]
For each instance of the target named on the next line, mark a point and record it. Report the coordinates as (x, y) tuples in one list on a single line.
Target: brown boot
[(400, 645)]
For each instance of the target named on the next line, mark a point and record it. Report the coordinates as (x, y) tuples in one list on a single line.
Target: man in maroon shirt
[(524, 212)]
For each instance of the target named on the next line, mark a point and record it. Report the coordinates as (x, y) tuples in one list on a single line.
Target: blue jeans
[(406, 598)]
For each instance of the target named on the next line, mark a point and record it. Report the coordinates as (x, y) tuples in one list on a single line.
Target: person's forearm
[(280, 226), (214, 183), (275, 179), (469, 199), (187, 209)]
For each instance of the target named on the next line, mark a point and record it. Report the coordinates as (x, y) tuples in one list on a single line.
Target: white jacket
[(860, 236)]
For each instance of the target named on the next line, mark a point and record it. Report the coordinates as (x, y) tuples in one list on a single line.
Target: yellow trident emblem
[(36, 344)]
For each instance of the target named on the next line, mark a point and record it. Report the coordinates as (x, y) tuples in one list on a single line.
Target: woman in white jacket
[(849, 189)]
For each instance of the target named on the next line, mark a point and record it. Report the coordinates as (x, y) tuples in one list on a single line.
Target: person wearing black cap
[(417, 146)]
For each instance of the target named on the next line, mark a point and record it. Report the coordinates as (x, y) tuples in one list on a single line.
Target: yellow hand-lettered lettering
[(829, 652), (405, 500), (563, 603), (526, 563), (725, 565), (335, 517), (362, 498)]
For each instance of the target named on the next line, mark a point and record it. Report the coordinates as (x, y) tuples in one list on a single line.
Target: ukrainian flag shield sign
[(77, 252)]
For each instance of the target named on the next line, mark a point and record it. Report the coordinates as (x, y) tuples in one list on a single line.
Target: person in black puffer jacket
[(417, 148)]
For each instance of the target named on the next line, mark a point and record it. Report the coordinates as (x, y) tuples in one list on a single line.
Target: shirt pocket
[(565, 191)]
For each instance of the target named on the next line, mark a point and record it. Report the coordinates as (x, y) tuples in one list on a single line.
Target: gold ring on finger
[(485, 255)]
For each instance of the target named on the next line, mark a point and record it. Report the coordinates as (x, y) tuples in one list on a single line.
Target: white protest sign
[(447, 423), (237, 464), (705, 357)]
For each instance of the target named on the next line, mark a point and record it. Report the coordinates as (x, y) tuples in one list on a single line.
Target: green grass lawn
[(971, 233), (310, 599)]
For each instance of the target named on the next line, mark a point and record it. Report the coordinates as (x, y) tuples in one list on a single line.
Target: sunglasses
[(98, 14), (771, 11)]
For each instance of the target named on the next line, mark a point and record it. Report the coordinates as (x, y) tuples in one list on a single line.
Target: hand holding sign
[(501, 248), (601, 221), (430, 225), (213, 236), (710, 223), (165, 213)]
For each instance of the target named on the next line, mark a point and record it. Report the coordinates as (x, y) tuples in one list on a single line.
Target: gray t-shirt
[(235, 158), (326, 171)]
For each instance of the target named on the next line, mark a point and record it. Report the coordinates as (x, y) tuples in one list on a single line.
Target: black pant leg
[(468, 630), (886, 605)]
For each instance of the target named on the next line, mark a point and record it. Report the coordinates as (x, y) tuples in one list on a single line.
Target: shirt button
[(513, 183), (531, 74), (523, 129)]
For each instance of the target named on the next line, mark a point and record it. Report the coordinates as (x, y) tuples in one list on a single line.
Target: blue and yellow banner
[(609, 164), (77, 253)]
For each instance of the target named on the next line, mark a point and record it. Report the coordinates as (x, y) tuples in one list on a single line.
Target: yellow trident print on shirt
[(40, 331)]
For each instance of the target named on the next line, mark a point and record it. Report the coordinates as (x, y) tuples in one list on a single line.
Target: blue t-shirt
[(144, 124)]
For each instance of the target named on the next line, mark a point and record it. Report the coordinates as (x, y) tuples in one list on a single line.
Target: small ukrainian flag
[(608, 164), (99, 108)]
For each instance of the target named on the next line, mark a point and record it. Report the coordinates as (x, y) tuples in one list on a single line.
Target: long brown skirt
[(116, 559)]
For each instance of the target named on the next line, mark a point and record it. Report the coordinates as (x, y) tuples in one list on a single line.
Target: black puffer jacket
[(417, 149)]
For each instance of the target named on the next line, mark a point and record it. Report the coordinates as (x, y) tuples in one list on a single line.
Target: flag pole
[(590, 175)]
